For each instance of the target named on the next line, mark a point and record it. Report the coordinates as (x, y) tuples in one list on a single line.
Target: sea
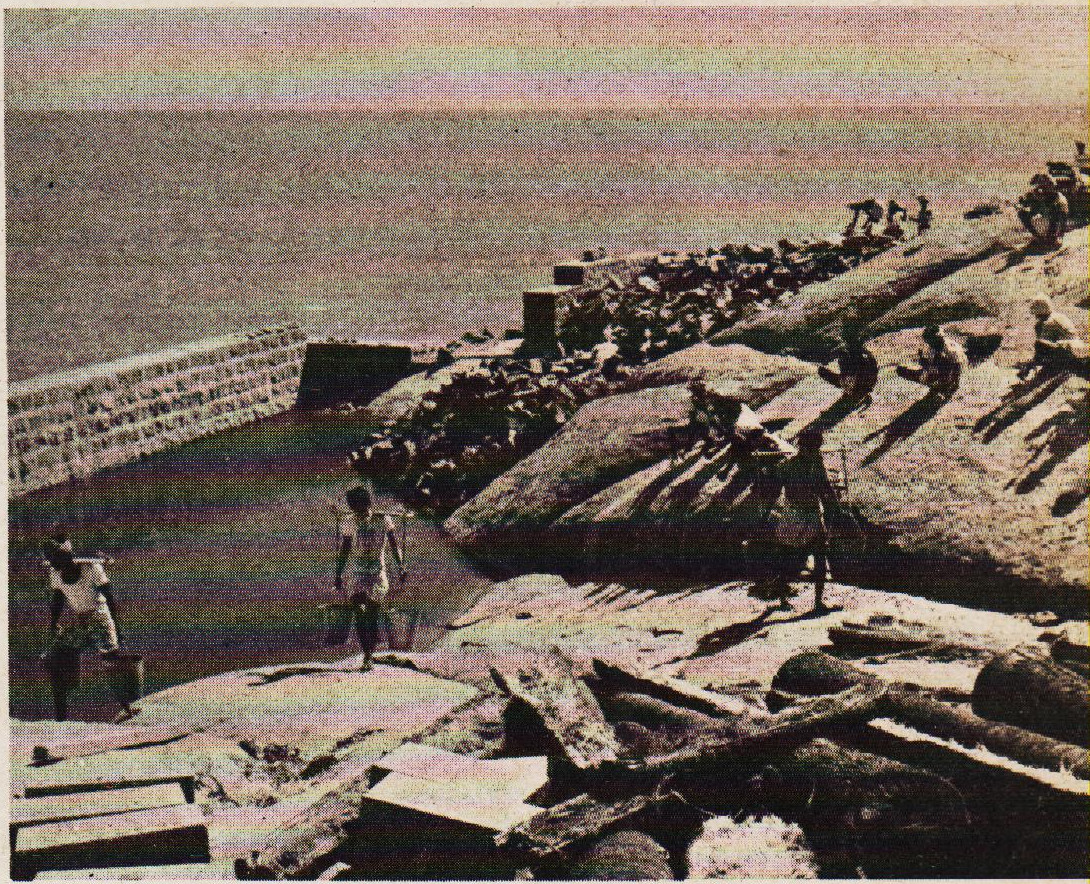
[(131, 231)]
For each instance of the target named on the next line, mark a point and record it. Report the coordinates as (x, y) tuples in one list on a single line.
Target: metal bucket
[(126, 677), (337, 624)]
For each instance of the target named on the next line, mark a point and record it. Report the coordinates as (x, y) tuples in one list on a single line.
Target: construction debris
[(162, 835), (1026, 687), (814, 672), (548, 693)]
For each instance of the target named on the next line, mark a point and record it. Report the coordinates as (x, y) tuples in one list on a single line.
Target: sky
[(575, 58)]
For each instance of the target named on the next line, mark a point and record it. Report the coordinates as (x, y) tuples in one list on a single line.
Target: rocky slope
[(983, 498)]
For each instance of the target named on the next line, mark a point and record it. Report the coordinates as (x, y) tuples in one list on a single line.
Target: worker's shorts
[(95, 629), (372, 588)]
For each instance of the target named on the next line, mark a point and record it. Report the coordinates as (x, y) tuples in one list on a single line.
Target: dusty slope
[(608, 439), (985, 494), (988, 487), (811, 323)]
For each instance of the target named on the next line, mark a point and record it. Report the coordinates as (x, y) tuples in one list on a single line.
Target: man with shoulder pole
[(372, 534), (82, 586)]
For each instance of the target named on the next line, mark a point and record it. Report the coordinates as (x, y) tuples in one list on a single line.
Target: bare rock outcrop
[(811, 324), (607, 440)]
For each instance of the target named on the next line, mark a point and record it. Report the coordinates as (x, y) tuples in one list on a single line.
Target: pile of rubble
[(681, 299), (573, 766), (491, 412), (484, 420)]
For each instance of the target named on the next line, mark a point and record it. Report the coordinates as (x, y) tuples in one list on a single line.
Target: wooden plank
[(450, 801), (215, 871), (672, 690), (54, 808), (565, 707), (550, 831), (140, 837)]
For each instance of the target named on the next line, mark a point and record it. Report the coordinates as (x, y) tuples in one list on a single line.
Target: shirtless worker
[(895, 213), (871, 209), (1044, 201), (1057, 343), (942, 363), (801, 519), (858, 369), (83, 586), (372, 534), (924, 216)]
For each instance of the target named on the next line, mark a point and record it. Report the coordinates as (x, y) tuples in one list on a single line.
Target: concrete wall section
[(351, 371), (73, 423)]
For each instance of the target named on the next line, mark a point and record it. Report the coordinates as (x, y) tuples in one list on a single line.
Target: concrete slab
[(506, 779), (175, 872), (98, 773), (454, 801), (142, 837)]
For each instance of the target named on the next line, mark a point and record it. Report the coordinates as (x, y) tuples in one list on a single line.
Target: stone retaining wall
[(73, 423)]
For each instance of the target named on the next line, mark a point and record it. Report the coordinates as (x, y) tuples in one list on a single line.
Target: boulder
[(605, 440), (764, 847), (1000, 288), (402, 400), (626, 855), (731, 370)]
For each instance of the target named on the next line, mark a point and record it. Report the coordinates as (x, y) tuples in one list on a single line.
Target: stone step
[(64, 779), (215, 871), (55, 808), (141, 837)]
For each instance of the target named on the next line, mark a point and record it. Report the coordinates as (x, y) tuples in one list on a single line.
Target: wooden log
[(313, 833), (547, 833), (549, 691), (882, 638), (862, 810), (670, 690), (625, 855), (1067, 651), (813, 672), (1026, 687), (749, 739), (655, 714)]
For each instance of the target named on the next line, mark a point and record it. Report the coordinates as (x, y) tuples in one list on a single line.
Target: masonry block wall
[(72, 423)]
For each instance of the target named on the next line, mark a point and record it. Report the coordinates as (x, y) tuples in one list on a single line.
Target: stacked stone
[(664, 303), (486, 418), (73, 423)]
